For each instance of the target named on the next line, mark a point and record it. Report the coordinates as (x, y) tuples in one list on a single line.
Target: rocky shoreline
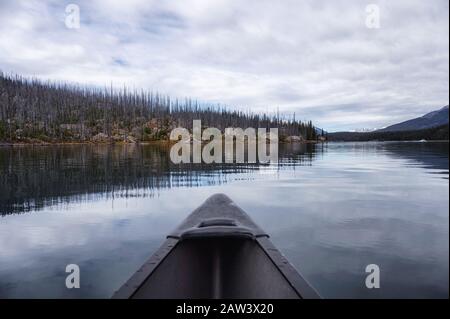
[(110, 141)]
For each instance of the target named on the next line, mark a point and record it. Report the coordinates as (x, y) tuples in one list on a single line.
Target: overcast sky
[(315, 58)]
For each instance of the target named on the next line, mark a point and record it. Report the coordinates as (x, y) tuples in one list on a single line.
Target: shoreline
[(158, 142), (167, 142), (81, 143)]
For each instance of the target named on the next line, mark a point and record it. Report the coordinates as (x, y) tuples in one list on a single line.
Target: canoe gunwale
[(295, 279), (133, 284)]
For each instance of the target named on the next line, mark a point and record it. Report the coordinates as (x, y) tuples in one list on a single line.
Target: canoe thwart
[(218, 210), (218, 227)]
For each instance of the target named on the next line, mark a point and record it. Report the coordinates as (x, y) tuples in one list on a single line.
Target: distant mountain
[(439, 133), (429, 120)]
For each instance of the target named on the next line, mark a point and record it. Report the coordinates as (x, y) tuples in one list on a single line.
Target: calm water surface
[(331, 209)]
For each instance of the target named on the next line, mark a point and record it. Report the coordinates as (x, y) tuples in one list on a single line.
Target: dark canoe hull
[(217, 252)]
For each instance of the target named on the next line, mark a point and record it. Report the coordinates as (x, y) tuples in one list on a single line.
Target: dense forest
[(435, 133), (35, 111)]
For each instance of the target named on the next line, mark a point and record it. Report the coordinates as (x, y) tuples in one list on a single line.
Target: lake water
[(331, 209)]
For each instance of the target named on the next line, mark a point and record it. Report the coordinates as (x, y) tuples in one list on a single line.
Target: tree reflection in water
[(33, 177)]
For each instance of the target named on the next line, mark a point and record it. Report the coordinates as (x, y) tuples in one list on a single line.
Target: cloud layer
[(315, 58)]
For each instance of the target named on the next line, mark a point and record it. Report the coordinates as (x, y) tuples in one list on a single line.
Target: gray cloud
[(314, 58)]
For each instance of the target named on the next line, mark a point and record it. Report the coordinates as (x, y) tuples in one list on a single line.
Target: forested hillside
[(35, 111)]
